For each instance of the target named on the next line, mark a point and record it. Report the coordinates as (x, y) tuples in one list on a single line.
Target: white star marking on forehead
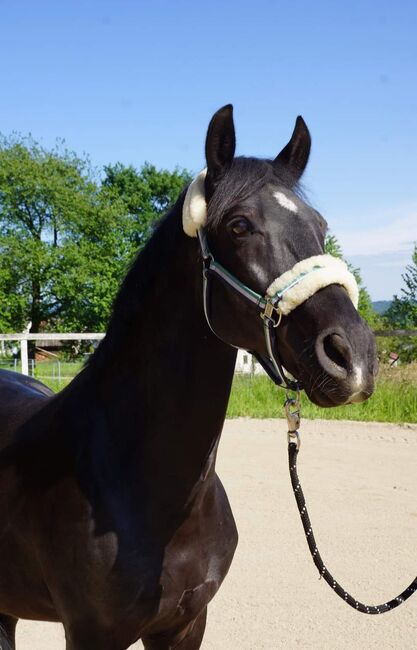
[(285, 202)]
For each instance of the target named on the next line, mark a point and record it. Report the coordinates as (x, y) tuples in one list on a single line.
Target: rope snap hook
[(292, 408)]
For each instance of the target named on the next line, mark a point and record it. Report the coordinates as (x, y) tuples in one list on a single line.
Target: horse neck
[(162, 377)]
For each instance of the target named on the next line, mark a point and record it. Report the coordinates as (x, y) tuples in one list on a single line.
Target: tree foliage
[(365, 307), (146, 194), (402, 313), (41, 192), (403, 309), (66, 238)]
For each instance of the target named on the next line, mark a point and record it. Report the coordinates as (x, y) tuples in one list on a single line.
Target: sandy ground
[(360, 482)]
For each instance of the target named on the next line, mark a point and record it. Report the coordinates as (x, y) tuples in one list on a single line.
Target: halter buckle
[(270, 313)]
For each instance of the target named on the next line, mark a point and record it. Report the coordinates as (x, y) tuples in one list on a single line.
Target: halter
[(282, 296), (268, 310)]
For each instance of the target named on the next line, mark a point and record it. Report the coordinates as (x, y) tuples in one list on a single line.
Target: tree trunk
[(35, 314)]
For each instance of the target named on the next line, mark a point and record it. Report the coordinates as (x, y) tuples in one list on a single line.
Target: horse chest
[(174, 582), (197, 558)]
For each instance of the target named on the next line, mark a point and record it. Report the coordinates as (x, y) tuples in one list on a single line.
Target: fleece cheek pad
[(194, 211), (294, 286)]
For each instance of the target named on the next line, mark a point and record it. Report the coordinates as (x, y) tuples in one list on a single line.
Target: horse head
[(258, 227)]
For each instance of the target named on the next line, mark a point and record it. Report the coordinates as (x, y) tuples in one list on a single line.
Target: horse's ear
[(295, 154), (220, 143)]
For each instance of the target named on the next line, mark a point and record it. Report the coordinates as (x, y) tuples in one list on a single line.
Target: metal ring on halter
[(269, 311), (279, 317)]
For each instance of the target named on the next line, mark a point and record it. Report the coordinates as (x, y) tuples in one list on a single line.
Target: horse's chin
[(323, 400), (335, 396)]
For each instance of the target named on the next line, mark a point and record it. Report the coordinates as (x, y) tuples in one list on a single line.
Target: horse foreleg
[(7, 632), (188, 638)]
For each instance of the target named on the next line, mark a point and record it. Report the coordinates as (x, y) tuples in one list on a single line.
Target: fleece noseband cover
[(294, 286), (307, 277)]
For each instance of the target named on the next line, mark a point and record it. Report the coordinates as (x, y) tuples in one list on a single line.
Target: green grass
[(56, 384), (394, 400), (47, 373)]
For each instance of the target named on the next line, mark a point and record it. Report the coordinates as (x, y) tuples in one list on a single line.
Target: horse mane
[(139, 282)]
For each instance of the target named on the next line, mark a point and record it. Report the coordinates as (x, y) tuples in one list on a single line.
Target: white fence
[(25, 337), (245, 362)]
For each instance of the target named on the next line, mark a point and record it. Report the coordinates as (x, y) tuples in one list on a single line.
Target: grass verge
[(394, 400)]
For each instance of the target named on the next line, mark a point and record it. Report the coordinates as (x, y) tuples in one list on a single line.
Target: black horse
[(112, 518)]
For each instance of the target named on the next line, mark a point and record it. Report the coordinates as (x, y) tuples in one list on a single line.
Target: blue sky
[(139, 80)]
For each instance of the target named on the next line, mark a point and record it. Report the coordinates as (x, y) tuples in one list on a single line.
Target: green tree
[(40, 191), (403, 310), (62, 247), (332, 246), (146, 194), (92, 261), (66, 238), (365, 307), (12, 301), (402, 313)]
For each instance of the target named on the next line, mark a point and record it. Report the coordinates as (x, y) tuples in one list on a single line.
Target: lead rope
[(292, 412)]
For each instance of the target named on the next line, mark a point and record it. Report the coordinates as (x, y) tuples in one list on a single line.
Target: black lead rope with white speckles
[(293, 448)]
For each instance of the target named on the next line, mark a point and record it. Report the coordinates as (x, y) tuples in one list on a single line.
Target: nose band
[(309, 276)]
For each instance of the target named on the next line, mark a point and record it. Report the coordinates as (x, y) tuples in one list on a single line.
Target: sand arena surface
[(360, 483)]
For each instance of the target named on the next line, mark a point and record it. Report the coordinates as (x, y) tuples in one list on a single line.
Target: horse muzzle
[(339, 364), (349, 367)]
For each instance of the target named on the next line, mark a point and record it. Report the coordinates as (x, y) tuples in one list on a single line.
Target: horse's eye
[(240, 226)]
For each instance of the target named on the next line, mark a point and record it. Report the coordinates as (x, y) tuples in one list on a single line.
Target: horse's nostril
[(337, 350), (334, 354)]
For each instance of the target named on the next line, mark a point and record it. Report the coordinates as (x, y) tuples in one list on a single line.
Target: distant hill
[(381, 306)]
